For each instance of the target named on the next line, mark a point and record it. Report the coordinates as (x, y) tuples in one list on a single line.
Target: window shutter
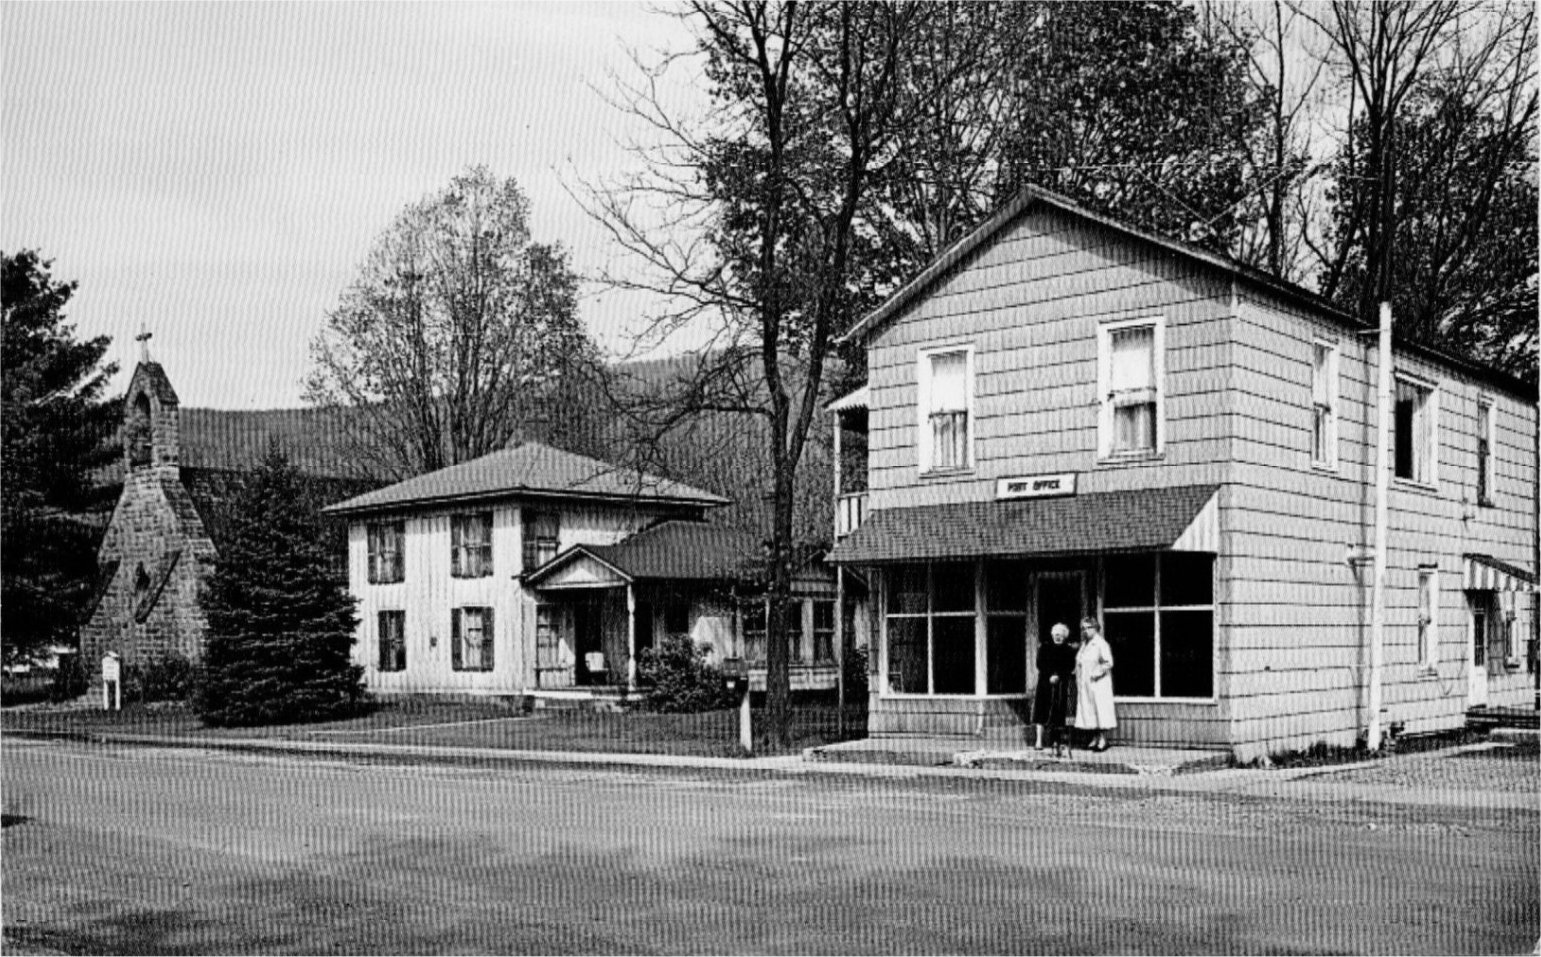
[(488, 644), (454, 639), (382, 639), (455, 534)]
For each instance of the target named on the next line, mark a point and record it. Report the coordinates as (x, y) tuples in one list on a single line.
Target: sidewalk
[(1291, 784)]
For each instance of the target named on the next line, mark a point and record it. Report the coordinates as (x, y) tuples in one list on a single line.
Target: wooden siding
[(1293, 596), (1298, 612), (1030, 304), (429, 593)]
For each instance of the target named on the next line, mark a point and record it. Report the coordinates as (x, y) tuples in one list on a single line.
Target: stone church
[(165, 532)]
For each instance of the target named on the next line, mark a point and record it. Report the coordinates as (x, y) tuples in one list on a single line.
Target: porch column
[(631, 637)]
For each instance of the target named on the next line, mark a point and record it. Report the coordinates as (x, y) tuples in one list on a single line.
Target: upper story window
[(1416, 431), (470, 538), (541, 533), (1130, 372), (1485, 451), (387, 562), (946, 380), (1324, 404)]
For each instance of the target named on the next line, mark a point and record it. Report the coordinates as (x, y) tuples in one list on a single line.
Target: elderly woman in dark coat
[(1056, 670)]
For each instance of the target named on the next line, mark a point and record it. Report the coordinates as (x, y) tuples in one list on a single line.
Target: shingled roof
[(1134, 520), (529, 469), (682, 551)]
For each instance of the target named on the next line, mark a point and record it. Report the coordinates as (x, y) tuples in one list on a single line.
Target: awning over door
[(1184, 518), (1485, 573)]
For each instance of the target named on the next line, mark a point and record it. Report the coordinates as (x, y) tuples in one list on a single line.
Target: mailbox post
[(736, 674), (112, 685)]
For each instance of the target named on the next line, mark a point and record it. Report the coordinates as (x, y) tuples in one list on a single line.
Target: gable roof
[(529, 469), (150, 377), (673, 550), (1030, 196)]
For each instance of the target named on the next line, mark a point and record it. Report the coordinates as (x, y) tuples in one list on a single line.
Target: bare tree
[(456, 320), (750, 220)]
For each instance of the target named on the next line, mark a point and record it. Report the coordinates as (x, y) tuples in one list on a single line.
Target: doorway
[(1061, 599), (590, 666), (1485, 618)]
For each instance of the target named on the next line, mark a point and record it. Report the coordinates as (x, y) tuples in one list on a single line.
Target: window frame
[(399, 616), (374, 536), (533, 546), (925, 444), (1106, 424), (460, 551), (487, 628), (1485, 447), (1155, 609), (827, 635), (1329, 433), (1427, 619), (929, 616), (1430, 479)]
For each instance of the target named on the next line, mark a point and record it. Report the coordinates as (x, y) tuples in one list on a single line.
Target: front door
[(1482, 619), (590, 666), (1061, 600)]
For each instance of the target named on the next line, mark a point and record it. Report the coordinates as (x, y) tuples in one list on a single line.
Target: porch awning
[(1183, 518), (1486, 573)]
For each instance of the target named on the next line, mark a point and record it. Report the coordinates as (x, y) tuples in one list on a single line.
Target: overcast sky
[(215, 172)]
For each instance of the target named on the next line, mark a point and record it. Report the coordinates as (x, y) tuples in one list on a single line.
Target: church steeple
[(151, 433)]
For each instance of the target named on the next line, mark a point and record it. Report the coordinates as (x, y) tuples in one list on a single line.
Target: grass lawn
[(473, 724)]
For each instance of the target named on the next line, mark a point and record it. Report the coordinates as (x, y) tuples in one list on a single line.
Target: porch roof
[(1181, 517), (675, 551), (1486, 573)]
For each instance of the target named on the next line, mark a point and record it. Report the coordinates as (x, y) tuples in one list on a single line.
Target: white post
[(631, 637), (745, 733), (1382, 493), (838, 430)]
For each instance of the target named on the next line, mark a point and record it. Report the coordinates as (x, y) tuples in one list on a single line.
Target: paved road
[(136, 850)]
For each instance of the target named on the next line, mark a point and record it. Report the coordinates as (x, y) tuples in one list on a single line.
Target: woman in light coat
[(1094, 685)]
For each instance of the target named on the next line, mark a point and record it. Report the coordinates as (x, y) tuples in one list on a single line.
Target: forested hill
[(721, 452)]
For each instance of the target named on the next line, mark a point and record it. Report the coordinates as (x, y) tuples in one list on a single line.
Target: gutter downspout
[(839, 596), (1535, 531), (1382, 494)]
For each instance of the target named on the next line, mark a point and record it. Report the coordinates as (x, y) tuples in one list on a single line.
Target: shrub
[(682, 681), (69, 679), (172, 678), (856, 677)]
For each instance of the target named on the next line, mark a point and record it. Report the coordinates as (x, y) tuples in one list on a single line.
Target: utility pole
[(1382, 492)]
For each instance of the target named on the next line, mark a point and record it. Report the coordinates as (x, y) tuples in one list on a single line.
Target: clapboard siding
[(429, 594), (1293, 588), (1292, 525)]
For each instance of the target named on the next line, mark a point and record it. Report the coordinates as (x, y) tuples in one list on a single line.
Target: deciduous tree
[(457, 319)]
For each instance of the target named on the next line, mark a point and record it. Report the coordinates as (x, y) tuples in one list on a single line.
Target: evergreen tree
[(53, 428), (280, 628)]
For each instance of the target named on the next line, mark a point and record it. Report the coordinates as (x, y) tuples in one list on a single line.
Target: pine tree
[(280, 628), (54, 426)]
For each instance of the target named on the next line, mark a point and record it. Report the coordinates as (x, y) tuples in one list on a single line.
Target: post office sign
[(1036, 486)]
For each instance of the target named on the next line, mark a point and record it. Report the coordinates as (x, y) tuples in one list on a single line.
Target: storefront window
[(1159, 621), (930, 619), (1006, 627)]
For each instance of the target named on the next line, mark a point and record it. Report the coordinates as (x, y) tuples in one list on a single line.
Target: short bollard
[(739, 685), (112, 685)]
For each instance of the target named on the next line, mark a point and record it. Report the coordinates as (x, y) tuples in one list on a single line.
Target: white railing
[(850, 509)]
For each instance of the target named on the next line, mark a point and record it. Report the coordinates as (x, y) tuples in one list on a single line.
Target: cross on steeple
[(144, 343)]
